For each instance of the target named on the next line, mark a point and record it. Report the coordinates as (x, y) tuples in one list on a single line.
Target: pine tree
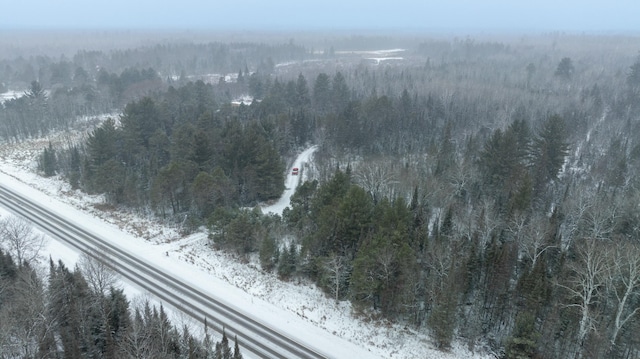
[(269, 253), (207, 345), (322, 92), (302, 97), (288, 262), (523, 341), (48, 161), (565, 69), (139, 121), (549, 150), (236, 349), (103, 144), (445, 297), (225, 349), (75, 164), (503, 162), (119, 317), (340, 92), (353, 222), (323, 214)]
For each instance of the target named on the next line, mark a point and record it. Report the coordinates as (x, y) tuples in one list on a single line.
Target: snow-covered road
[(258, 338), (292, 181)]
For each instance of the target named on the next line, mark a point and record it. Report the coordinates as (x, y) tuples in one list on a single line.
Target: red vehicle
[(294, 171)]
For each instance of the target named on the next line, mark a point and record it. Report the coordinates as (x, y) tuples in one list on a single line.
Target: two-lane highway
[(256, 338)]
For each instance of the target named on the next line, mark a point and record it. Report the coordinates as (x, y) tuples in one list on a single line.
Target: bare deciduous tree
[(97, 272), (18, 238), (576, 206), (377, 179), (337, 269), (488, 221), (23, 321), (599, 219), (587, 284), (531, 236), (625, 284)]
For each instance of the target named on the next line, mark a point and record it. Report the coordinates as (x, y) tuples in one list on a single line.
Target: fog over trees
[(479, 189)]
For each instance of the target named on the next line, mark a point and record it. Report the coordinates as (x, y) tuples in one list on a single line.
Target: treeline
[(96, 82), (70, 315), (40, 112), (172, 59), (178, 154)]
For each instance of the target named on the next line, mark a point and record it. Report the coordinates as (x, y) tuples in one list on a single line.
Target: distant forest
[(483, 191)]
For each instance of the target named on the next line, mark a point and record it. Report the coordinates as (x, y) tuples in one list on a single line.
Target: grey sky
[(487, 15)]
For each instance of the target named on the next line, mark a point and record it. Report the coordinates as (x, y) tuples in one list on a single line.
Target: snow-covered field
[(299, 308), (382, 53)]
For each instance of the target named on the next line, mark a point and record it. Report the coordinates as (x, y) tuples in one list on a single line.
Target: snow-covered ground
[(9, 95), (384, 53), (300, 308), (377, 60)]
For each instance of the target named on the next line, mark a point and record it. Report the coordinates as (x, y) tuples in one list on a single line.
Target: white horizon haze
[(488, 15)]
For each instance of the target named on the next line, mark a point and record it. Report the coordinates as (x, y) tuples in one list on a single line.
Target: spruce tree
[(236, 349)]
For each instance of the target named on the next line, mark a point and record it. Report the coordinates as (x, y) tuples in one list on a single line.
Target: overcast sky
[(488, 15)]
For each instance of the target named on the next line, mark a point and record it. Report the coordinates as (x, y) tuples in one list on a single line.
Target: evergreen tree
[(288, 261), (203, 190), (225, 349), (633, 78), (202, 152), (75, 165), (302, 97), (503, 162), (139, 121), (103, 144), (236, 349), (385, 263), (354, 216), (442, 321), (269, 253), (36, 92), (109, 178), (565, 69), (340, 92), (48, 161), (119, 318), (549, 149), (324, 214), (522, 342), (70, 296), (322, 92)]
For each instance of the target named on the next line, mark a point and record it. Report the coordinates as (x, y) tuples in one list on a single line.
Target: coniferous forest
[(483, 190)]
